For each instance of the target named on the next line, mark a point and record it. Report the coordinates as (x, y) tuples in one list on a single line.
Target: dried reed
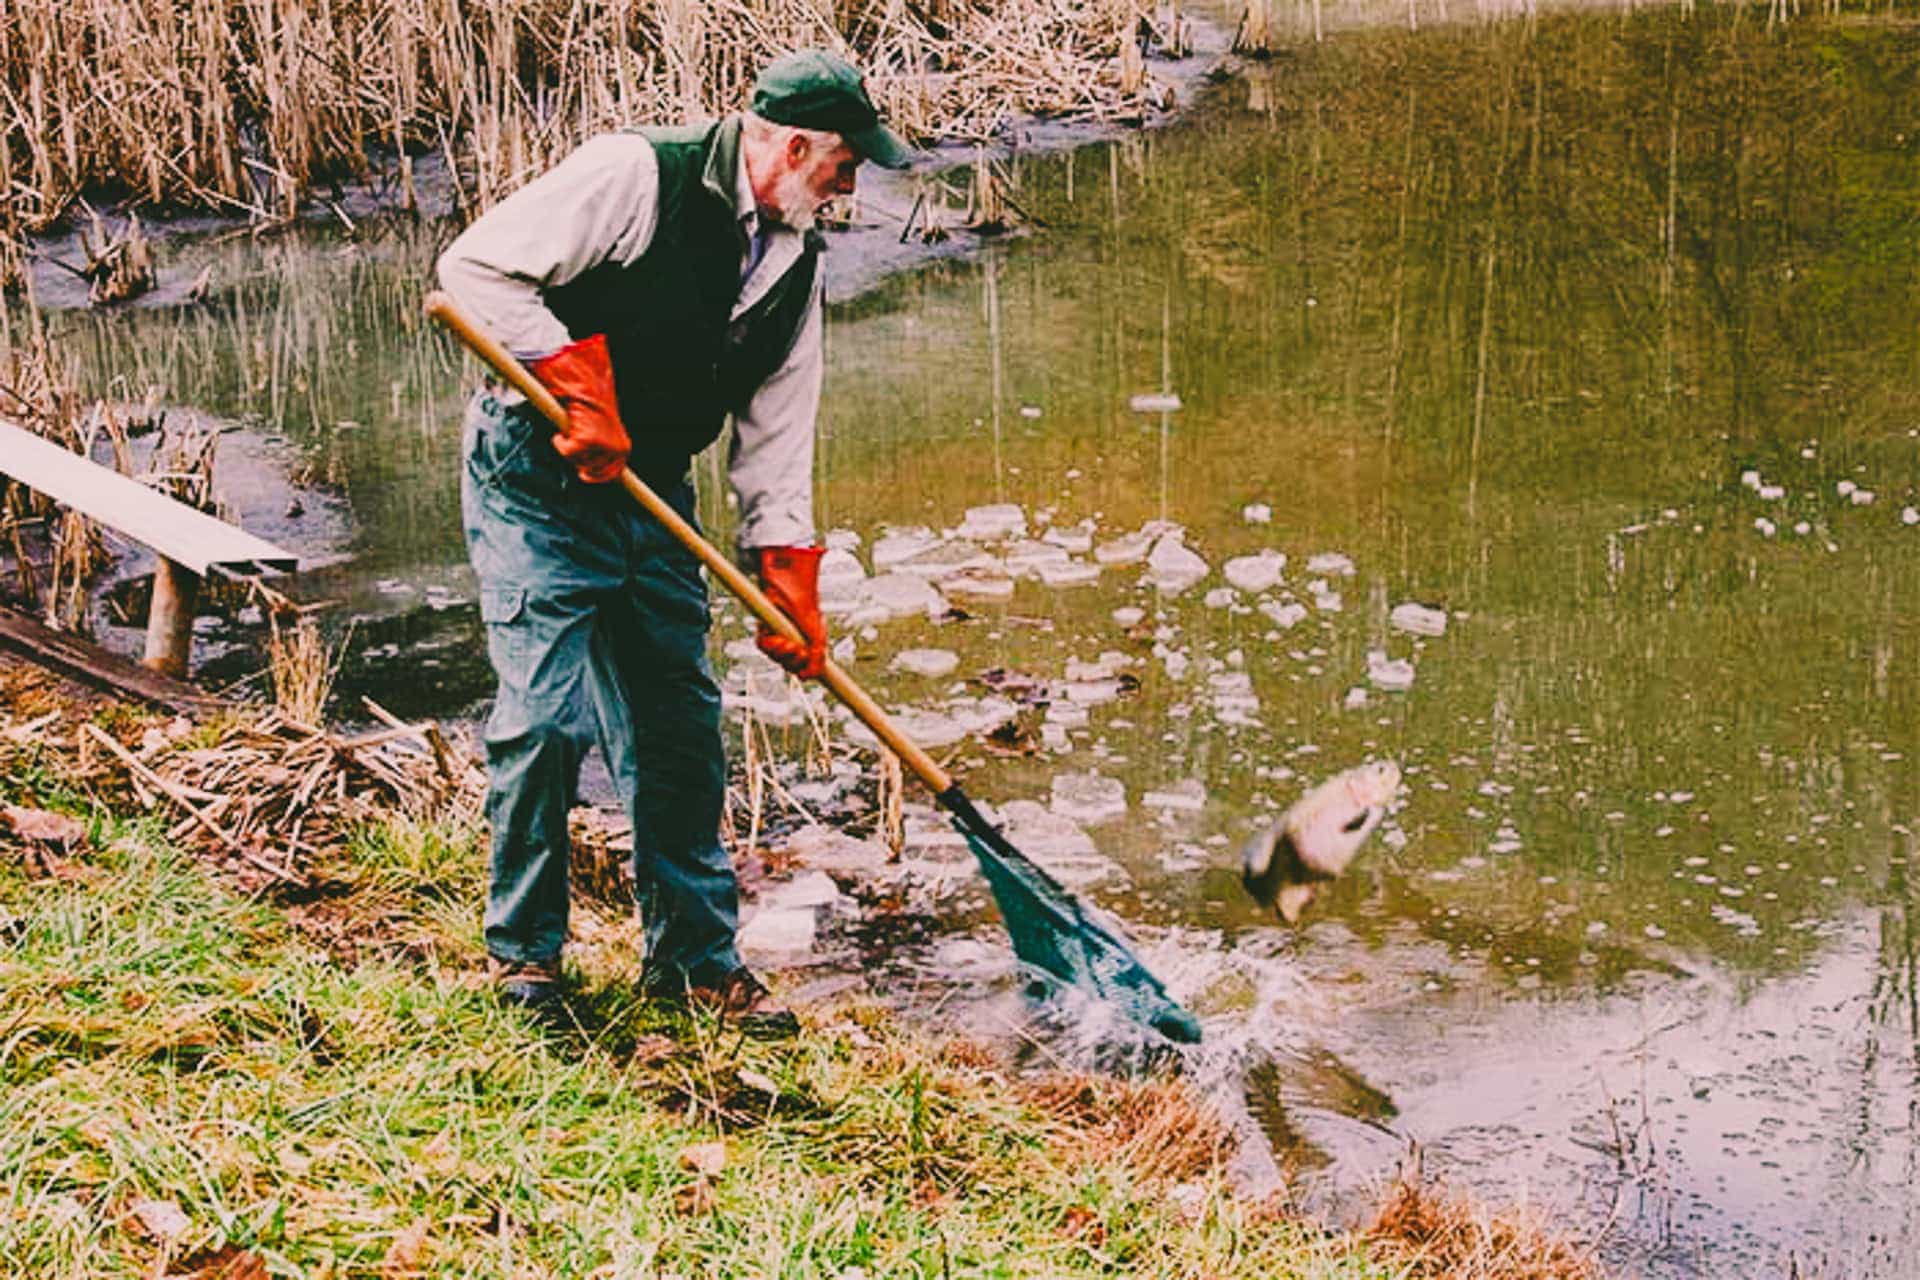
[(245, 105), (893, 791), (302, 668), (1158, 1127), (1432, 1234), (118, 267), (273, 792), (36, 393)]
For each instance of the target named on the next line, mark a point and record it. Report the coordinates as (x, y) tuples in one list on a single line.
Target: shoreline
[(352, 1012), (860, 258)]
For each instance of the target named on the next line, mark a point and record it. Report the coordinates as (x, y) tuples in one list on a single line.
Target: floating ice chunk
[(1128, 615), (896, 595), (838, 567), (930, 729), (745, 652), (827, 849), (1331, 563), (1024, 559), (978, 584), (1845, 488), (1803, 528), (1068, 573), (841, 540), (1057, 842), (1105, 667), (1074, 538), (1234, 701), (1257, 513), (1092, 693), (1128, 548), (1189, 795), (983, 715), (1861, 497), (1030, 411), (1172, 566), (812, 890), (1910, 515), (1067, 714), (1389, 673), (1255, 573), (1286, 616), (1356, 697), (1184, 857), (948, 559), (995, 522), (1175, 662), (1750, 478), (1053, 736), (1772, 492), (841, 576), (1231, 684), (1765, 526), (1325, 598), (925, 662), (772, 937), (1088, 797), (1155, 402), (1220, 597), (1418, 619), (898, 545)]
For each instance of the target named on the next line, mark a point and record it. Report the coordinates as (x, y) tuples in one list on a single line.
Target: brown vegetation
[(1156, 1127), (246, 104), (1434, 1234)]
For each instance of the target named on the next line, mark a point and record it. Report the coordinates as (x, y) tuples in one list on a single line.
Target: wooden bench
[(188, 542)]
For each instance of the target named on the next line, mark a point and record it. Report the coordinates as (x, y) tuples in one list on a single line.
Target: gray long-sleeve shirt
[(600, 205)]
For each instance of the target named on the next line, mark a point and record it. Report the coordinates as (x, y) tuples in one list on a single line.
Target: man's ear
[(798, 144)]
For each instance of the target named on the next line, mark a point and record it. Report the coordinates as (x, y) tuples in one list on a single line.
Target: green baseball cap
[(814, 89)]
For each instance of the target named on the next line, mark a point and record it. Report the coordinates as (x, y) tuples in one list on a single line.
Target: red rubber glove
[(581, 378), (791, 578)]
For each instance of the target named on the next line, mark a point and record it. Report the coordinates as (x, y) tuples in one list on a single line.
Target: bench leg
[(176, 593)]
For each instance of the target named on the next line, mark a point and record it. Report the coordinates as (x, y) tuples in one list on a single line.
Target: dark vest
[(681, 362)]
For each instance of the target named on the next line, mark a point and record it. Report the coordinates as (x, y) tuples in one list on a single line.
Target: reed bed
[(55, 554), (268, 794), (246, 105)]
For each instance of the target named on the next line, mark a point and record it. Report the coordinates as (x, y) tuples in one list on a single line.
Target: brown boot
[(530, 985), (739, 998)]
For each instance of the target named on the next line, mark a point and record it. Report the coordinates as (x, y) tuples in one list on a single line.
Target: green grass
[(163, 1038)]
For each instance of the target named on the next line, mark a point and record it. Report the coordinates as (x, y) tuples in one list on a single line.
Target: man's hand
[(581, 378), (791, 578)]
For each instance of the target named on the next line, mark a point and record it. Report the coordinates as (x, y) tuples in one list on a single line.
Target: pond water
[(1598, 336)]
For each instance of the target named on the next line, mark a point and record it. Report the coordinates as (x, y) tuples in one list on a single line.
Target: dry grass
[(302, 668), (1156, 1127), (247, 104), (1432, 1233)]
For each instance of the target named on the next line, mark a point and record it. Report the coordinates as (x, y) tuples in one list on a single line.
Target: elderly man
[(656, 281)]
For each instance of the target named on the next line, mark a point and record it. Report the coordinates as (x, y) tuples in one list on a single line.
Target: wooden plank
[(88, 663), (190, 538)]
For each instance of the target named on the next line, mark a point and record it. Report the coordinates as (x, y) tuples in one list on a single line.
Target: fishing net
[(1054, 933)]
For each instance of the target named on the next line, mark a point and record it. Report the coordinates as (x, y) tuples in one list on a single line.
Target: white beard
[(793, 204)]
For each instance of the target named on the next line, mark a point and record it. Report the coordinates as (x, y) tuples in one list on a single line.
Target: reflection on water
[(1504, 320)]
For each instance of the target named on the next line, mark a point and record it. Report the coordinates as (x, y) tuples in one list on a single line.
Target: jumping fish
[(1314, 840)]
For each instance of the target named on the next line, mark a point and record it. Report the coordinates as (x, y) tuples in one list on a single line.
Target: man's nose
[(844, 184)]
